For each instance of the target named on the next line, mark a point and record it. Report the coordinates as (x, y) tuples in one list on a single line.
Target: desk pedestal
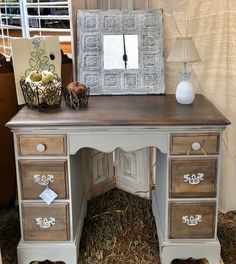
[(169, 251)]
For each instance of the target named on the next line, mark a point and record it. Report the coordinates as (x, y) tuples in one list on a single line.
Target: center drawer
[(45, 223), (36, 175), (188, 220), (193, 178)]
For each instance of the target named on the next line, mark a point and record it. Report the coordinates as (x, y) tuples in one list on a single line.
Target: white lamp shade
[(184, 50)]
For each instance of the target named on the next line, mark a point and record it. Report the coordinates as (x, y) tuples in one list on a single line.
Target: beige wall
[(212, 24)]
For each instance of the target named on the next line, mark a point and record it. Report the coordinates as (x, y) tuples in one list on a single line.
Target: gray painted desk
[(185, 199)]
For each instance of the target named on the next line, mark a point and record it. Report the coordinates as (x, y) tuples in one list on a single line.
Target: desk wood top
[(125, 110)]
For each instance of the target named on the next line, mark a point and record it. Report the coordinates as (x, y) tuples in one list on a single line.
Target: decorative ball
[(76, 88)]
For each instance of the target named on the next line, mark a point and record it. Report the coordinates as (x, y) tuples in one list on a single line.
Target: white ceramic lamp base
[(184, 93)]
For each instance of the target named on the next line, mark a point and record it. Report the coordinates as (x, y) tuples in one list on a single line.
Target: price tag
[(48, 195)]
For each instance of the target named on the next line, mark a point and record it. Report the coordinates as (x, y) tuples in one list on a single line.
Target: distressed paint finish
[(132, 171), (129, 122)]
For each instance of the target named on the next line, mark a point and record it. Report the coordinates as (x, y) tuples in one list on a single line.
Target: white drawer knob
[(40, 147), (196, 146)]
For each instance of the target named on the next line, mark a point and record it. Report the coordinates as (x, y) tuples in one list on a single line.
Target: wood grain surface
[(33, 232), (31, 189), (179, 230), (54, 145), (125, 110), (181, 144), (182, 189)]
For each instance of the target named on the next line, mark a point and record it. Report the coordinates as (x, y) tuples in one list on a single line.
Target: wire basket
[(41, 96), (74, 100)]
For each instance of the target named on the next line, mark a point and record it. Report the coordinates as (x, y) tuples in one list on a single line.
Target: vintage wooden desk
[(185, 201)]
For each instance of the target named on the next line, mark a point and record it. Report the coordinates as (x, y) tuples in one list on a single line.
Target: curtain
[(212, 24)]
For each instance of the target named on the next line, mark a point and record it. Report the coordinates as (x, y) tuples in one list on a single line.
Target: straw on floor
[(119, 228)]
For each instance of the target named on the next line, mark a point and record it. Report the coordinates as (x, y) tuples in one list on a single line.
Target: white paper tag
[(48, 196)]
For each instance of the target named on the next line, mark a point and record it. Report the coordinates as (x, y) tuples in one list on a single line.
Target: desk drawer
[(41, 145), (194, 144), (191, 220), (45, 223), (35, 175), (193, 177)]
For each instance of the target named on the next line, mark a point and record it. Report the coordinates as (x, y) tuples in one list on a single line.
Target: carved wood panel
[(100, 167), (98, 172), (133, 172)]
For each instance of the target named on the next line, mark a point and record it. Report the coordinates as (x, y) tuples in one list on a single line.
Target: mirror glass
[(120, 52)]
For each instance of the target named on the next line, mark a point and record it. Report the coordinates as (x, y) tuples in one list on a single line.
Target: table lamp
[(184, 51)]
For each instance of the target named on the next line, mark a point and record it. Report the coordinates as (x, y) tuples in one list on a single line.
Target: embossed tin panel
[(147, 25)]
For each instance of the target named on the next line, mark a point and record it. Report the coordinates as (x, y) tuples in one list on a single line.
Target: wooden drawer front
[(194, 144), (191, 220), (193, 177), (35, 175), (42, 145), (45, 223)]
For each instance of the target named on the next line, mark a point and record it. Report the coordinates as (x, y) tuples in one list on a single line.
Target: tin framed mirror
[(121, 51)]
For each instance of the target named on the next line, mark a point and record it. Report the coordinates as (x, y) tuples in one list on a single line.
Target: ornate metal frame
[(147, 24)]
